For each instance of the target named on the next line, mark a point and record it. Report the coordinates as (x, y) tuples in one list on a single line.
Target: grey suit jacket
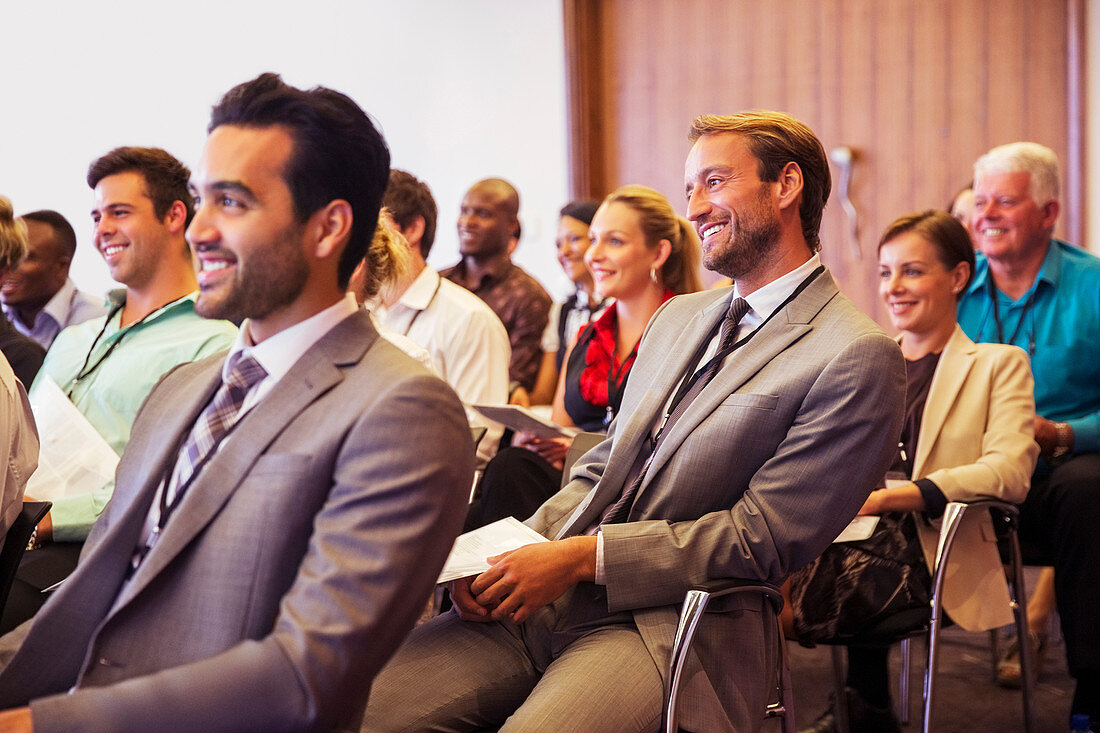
[(761, 473), (298, 560)]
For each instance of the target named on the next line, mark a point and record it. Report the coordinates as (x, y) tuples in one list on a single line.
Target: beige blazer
[(976, 440)]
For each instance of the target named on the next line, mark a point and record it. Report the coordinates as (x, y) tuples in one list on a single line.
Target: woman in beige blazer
[(971, 408)]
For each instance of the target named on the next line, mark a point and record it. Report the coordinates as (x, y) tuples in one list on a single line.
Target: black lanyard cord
[(85, 370), (1028, 311), (692, 373)]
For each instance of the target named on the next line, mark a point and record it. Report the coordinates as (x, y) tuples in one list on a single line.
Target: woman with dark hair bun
[(967, 434), (578, 310)]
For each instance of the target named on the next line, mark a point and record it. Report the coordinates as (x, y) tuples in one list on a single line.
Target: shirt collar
[(766, 299), (278, 353), (418, 296), (1049, 272), (58, 306), (496, 272)]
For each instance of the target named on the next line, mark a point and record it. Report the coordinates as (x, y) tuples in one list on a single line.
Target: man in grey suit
[(750, 474), (280, 515)]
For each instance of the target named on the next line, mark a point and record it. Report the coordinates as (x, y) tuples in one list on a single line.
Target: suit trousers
[(1058, 523), (515, 483), (571, 666)]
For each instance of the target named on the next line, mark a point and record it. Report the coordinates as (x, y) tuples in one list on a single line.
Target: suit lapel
[(951, 373), (630, 433), (668, 376), (317, 371), (785, 328)]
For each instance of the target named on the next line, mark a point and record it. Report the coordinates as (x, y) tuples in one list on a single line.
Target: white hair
[(1024, 157)]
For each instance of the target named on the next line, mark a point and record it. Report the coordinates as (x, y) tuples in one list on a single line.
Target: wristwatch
[(1064, 440)]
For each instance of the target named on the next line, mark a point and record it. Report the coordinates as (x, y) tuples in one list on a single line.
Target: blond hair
[(387, 257), (680, 272), (13, 236)]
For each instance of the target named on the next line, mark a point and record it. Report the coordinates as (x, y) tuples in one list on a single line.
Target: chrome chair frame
[(952, 519), (695, 605)]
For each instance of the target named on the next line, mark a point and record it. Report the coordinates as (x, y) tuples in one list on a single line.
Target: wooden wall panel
[(918, 88)]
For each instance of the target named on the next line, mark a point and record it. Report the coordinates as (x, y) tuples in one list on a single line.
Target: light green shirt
[(108, 372)]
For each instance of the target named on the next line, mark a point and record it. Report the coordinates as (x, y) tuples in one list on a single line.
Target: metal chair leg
[(903, 681), (840, 693), (952, 518), (1018, 597)]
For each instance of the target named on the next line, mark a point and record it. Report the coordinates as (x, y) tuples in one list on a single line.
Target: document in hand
[(73, 458), (470, 550), (523, 420)]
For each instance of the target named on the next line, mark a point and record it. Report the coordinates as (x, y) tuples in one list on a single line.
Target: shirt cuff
[(601, 576), (934, 501), (1086, 433)]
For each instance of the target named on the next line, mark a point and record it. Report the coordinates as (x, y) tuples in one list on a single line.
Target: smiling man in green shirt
[(107, 366)]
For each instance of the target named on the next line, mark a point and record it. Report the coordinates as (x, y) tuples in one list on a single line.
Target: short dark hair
[(62, 229), (407, 197), (775, 139), (581, 210), (943, 231), (165, 177), (338, 152)]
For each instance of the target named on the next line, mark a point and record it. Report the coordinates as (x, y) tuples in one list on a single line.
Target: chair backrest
[(15, 543), (582, 443), (477, 432)]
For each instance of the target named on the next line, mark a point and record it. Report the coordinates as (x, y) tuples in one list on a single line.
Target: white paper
[(524, 420), (470, 550), (859, 528), (73, 458)]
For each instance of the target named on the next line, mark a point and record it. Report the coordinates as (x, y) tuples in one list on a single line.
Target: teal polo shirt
[(1057, 321)]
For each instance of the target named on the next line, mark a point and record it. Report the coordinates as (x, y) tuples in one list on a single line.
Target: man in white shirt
[(38, 297), (279, 516), (467, 342)]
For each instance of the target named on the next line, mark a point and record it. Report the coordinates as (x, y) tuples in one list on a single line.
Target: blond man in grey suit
[(753, 477), (276, 526)]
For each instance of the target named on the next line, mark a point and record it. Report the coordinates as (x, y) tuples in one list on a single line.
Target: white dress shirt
[(466, 341)]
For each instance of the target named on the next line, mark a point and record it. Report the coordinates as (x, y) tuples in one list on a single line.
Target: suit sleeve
[(1008, 448), (395, 505), (840, 444)]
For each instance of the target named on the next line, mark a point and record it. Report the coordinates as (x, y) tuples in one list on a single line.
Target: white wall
[(462, 90)]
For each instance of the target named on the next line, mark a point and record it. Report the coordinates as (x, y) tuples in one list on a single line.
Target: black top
[(23, 353), (584, 414), (918, 383)]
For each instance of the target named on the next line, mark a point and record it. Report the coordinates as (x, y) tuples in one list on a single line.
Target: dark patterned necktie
[(212, 425), (216, 420), (619, 511)]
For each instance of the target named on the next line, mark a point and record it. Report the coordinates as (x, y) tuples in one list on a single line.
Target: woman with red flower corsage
[(642, 254)]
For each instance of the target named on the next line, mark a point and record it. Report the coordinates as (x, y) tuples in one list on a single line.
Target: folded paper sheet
[(73, 458)]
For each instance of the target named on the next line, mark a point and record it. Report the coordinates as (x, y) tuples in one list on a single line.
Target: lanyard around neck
[(692, 373), (85, 370), (1028, 311)]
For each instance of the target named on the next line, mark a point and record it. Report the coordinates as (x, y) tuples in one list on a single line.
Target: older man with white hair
[(1043, 295)]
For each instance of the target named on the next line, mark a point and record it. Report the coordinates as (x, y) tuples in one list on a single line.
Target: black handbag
[(855, 586)]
